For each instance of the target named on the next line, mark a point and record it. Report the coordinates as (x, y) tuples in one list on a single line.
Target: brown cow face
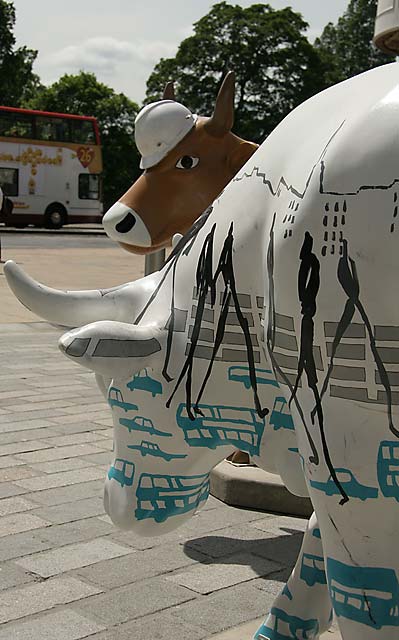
[(171, 195)]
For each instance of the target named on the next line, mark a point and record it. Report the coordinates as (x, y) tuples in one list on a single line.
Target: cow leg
[(305, 599)]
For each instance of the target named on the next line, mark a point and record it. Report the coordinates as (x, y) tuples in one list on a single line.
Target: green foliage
[(17, 80), (347, 47), (276, 67), (83, 94)]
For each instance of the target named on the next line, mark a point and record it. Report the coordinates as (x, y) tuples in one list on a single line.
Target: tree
[(17, 80), (276, 67), (347, 48), (83, 94)]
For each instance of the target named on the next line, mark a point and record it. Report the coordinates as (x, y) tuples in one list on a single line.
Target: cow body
[(292, 271)]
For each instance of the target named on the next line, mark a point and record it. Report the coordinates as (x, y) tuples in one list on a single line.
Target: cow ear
[(241, 155), (222, 120), (169, 92)]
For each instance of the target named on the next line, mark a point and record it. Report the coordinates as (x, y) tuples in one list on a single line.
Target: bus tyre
[(55, 216)]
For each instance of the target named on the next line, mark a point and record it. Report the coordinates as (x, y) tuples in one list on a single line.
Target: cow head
[(187, 161)]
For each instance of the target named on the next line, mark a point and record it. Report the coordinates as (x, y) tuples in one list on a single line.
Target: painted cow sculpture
[(293, 269)]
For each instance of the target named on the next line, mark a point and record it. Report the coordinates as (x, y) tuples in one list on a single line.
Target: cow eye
[(187, 162)]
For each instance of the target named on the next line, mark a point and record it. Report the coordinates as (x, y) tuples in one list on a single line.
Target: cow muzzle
[(124, 225)]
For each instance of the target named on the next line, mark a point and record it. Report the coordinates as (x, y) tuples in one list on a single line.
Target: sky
[(122, 40)]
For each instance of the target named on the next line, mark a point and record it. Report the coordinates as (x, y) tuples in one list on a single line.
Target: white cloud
[(105, 55)]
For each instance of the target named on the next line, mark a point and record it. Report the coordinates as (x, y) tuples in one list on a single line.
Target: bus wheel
[(55, 216)]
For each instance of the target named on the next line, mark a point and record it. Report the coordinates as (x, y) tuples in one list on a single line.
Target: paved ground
[(65, 572)]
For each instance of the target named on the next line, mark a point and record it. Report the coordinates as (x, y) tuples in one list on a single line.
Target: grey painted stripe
[(291, 377), (208, 316), (202, 352), (206, 335), (112, 348), (180, 320), (355, 330), (284, 322), (233, 320), (231, 337), (340, 372), (390, 355), (348, 351), (360, 395), (386, 333), (392, 375), (77, 347), (349, 393), (317, 358), (286, 341), (234, 355), (286, 362), (244, 300), (260, 302), (195, 296)]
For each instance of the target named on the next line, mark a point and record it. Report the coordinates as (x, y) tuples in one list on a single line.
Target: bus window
[(82, 131), (89, 186), (9, 181), (16, 125), (53, 129)]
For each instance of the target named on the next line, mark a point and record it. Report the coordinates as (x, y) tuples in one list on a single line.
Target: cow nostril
[(127, 224)]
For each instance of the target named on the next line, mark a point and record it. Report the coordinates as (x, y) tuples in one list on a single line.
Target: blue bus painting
[(216, 426), (139, 423), (115, 399), (388, 469), (280, 417), (353, 488), (369, 595), (241, 374), (312, 569), (282, 626), (161, 497), (153, 449), (144, 382), (316, 533), (122, 471)]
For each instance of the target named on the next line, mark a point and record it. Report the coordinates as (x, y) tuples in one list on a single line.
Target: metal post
[(154, 262)]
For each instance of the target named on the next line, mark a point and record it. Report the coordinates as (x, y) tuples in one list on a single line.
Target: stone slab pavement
[(65, 571)]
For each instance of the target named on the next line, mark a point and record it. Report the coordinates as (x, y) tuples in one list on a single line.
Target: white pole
[(386, 33)]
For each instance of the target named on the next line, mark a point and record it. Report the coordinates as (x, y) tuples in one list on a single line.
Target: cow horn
[(66, 308), (222, 120), (169, 91)]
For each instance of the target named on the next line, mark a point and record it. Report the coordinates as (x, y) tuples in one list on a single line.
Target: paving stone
[(63, 625), (73, 556), (17, 473), (243, 537), (9, 525), (24, 425), (235, 569), (89, 409), (22, 544), (21, 447), (26, 434), (15, 505), (226, 608), (74, 438), (57, 453), (77, 531), (70, 493), (9, 461), (76, 425), (53, 480), (23, 601), (162, 626), (26, 417), (72, 511), (103, 458), (57, 466), (138, 566), (7, 489), (11, 576), (134, 600)]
